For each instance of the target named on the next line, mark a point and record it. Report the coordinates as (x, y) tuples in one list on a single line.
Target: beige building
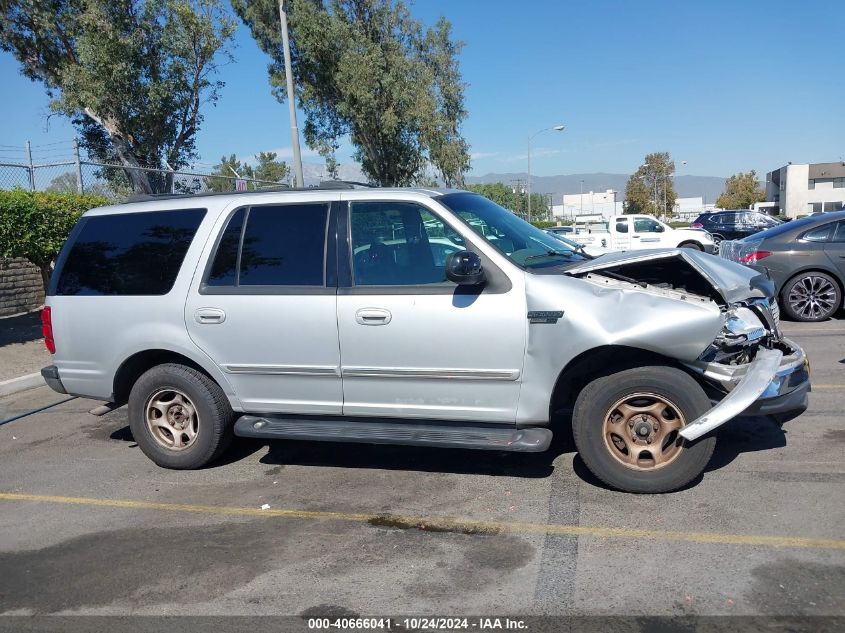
[(795, 190)]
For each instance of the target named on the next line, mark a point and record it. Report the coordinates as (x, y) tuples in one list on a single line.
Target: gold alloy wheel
[(172, 419), (641, 431)]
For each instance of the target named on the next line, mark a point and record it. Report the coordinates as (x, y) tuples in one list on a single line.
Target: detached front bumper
[(776, 381)]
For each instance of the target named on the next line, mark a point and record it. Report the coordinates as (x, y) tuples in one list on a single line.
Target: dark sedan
[(733, 225), (806, 260)]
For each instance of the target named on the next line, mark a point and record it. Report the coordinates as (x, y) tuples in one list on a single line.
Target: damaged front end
[(750, 368)]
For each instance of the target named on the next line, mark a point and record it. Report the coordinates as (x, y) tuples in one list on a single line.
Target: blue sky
[(724, 85)]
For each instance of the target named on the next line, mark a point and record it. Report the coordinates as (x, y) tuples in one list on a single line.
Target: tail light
[(47, 329), (754, 257), (696, 225)]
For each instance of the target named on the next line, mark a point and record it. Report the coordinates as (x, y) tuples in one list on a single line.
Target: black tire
[(795, 313), (692, 245), (215, 417), (596, 401)]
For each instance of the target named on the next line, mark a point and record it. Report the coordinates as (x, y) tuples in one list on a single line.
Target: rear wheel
[(811, 296), (180, 417), (626, 428)]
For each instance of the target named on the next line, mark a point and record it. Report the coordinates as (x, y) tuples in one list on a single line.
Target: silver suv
[(408, 316)]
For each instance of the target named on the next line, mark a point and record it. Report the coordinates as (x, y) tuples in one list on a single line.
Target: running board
[(528, 440)]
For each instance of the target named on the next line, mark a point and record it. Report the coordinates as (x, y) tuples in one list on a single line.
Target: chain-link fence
[(115, 182)]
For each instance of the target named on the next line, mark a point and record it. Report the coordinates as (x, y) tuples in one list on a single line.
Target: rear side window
[(820, 234), (279, 245), (128, 253)]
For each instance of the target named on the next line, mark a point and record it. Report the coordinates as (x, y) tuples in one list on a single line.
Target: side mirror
[(660, 228), (464, 268)]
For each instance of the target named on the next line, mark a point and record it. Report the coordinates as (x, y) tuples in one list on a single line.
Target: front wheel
[(626, 428), (811, 296)]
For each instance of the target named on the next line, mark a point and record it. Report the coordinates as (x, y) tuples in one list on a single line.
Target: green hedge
[(543, 224), (36, 225)]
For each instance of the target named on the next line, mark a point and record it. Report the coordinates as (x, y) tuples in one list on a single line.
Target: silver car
[(408, 316)]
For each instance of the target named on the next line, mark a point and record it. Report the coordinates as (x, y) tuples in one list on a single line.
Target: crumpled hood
[(733, 282)]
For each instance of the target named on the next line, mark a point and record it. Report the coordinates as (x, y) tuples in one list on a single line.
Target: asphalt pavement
[(88, 525)]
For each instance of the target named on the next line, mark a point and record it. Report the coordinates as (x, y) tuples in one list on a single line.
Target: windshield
[(524, 244)]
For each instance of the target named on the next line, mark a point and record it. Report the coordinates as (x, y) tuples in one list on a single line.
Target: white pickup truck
[(633, 232)]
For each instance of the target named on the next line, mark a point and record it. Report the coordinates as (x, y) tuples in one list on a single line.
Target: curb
[(21, 383)]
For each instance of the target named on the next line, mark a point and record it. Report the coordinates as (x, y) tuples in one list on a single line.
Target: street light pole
[(556, 128), (294, 130)]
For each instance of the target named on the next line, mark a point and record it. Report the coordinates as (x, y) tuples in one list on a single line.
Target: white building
[(587, 203), (809, 188), (688, 208)]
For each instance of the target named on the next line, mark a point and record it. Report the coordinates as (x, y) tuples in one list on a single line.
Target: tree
[(63, 183), (36, 225), (132, 75), (223, 175), (741, 191), (650, 188), (331, 167), (499, 193), (269, 169), (367, 69)]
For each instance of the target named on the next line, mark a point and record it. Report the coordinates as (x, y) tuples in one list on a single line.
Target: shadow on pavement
[(20, 329), (741, 435)]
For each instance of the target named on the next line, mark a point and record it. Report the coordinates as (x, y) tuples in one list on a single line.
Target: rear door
[(835, 249), (621, 228), (263, 308)]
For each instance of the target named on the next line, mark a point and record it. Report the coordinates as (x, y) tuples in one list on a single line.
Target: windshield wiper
[(550, 253)]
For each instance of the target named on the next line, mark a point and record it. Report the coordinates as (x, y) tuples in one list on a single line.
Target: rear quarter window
[(127, 253)]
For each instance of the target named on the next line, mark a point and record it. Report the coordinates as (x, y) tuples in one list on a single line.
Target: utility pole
[(294, 130), (79, 187), (518, 190), (31, 166), (582, 198)]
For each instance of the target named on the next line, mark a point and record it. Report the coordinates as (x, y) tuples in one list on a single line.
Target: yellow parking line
[(450, 524)]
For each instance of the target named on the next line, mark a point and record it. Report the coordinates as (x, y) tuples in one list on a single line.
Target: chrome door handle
[(209, 315), (373, 316)]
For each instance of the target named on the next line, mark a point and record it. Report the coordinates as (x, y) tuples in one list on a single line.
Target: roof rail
[(326, 184)]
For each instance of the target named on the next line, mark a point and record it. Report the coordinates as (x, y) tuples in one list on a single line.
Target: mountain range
[(708, 187)]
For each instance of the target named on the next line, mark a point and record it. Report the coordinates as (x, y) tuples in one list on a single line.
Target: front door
[(264, 309), (412, 344), (647, 232)]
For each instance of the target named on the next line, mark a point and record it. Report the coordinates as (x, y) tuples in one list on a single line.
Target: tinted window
[(839, 235), (223, 270), (399, 244), (284, 246), (622, 225), (128, 253), (820, 234)]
